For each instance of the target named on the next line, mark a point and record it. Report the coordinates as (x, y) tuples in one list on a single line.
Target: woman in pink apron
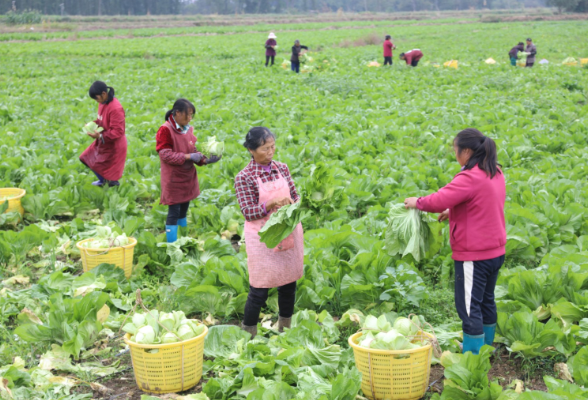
[(176, 146), (107, 155), (262, 187)]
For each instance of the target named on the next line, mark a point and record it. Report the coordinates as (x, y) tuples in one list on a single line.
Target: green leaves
[(282, 223), (407, 232)]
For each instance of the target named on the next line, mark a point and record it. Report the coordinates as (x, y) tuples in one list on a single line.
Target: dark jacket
[(514, 52), (296, 53), (532, 50), (269, 51)]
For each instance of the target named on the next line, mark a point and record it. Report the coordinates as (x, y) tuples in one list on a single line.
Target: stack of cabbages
[(146, 330), (379, 333)]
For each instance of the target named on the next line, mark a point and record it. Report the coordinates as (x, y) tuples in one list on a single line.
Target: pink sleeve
[(455, 192), (168, 156), (116, 130)]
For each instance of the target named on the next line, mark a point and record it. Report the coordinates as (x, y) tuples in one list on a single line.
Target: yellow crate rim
[(127, 339), (11, 191), (128, 246), (357, 347)]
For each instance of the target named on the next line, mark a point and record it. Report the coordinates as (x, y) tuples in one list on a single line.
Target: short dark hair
[(401, 54), (483, 148), (520, 44), (529, 39), (100, 87), (181, 105), (388, 37), (257, 136)]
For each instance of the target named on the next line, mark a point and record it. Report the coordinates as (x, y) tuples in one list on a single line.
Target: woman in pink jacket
[(474, 204)]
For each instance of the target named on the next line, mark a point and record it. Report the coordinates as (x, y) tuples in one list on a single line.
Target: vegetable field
[(358, 140)]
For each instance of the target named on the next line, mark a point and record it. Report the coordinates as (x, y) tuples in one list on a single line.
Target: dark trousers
[(414, 63), (295, 66), (258, 296), (176, 212), (474, 293), (268, 58), (387, 60), (529, 64)]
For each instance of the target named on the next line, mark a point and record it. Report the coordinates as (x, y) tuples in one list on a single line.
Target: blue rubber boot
[(183, 222), (472, 343), (171, 232), (489, 333)]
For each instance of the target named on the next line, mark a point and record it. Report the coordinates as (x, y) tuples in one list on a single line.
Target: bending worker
[(107, 154), (412, 57), (514, 53), (176, 145), (262, 187), (474, 204)]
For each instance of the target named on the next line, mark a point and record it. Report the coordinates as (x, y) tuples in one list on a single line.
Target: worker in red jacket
[(474, 204), (176, 146), (412, 57), (107, 155), (388, 47)]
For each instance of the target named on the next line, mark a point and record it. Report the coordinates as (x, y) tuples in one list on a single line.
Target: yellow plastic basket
[(122, 256), (583, 61), (391, 374), (175, 367), (14, 202), (451, 64)]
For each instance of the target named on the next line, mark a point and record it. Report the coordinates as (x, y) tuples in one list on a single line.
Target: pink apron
[(270, 268)]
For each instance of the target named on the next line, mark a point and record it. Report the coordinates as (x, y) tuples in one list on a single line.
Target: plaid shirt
[(248, 191)]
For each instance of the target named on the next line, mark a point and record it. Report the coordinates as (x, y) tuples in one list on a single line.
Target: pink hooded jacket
[(476, 214)]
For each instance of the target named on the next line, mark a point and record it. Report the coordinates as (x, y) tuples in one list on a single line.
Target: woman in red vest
[(107, 155), (176, 145)]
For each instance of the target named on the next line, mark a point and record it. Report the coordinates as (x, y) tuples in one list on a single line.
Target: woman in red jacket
[(107, 155), (176, 145), (474, 204)]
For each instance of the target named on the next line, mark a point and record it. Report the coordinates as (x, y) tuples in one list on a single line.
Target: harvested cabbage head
[(91, 127), (212, 147)]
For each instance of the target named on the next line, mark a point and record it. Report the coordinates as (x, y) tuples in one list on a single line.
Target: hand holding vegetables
[(92, 129), (274, 204), (196, 157), (212, 159), (410, 202)]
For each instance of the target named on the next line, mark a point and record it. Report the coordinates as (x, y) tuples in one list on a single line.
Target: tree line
[(158, 7)]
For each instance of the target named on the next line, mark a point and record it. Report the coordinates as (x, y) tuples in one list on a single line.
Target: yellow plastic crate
[(14, 204), (175, 367), (451, 64), (393, 375), (122, 256), (583, 61)]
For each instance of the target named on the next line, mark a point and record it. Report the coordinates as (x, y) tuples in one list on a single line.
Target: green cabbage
[(212, 147), (147, 328), (91, 127), (145, 335), (379, 333), (408, 232), (105, 238)]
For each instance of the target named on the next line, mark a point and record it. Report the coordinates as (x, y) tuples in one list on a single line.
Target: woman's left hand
[(94, 135), (410, 202)]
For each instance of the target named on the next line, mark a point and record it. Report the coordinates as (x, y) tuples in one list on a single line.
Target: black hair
[(401, 54), (520, 44), (257, 136), (484, 151), (100, 87), (388, 37), (181, 105)]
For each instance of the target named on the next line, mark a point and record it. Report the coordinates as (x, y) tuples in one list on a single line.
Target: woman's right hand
[(274, 204), (443, 216)]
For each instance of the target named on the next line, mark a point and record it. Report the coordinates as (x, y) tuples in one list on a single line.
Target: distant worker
[(531, 50), (412, 57), (107, 154), (295, 59), (514, 53), (388, 47), (270, 48)]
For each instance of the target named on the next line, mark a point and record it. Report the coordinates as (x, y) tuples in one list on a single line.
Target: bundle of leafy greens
[(212, 148), (91, 127), (380, 333), (408, 232), (282, 223), (106, 238), (146, 328)]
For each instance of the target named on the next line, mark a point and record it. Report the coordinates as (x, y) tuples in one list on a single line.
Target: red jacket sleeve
[(455, 192), (116, 128), (163, 139)]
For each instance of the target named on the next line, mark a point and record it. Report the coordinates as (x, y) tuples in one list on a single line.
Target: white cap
[(272, 36)]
